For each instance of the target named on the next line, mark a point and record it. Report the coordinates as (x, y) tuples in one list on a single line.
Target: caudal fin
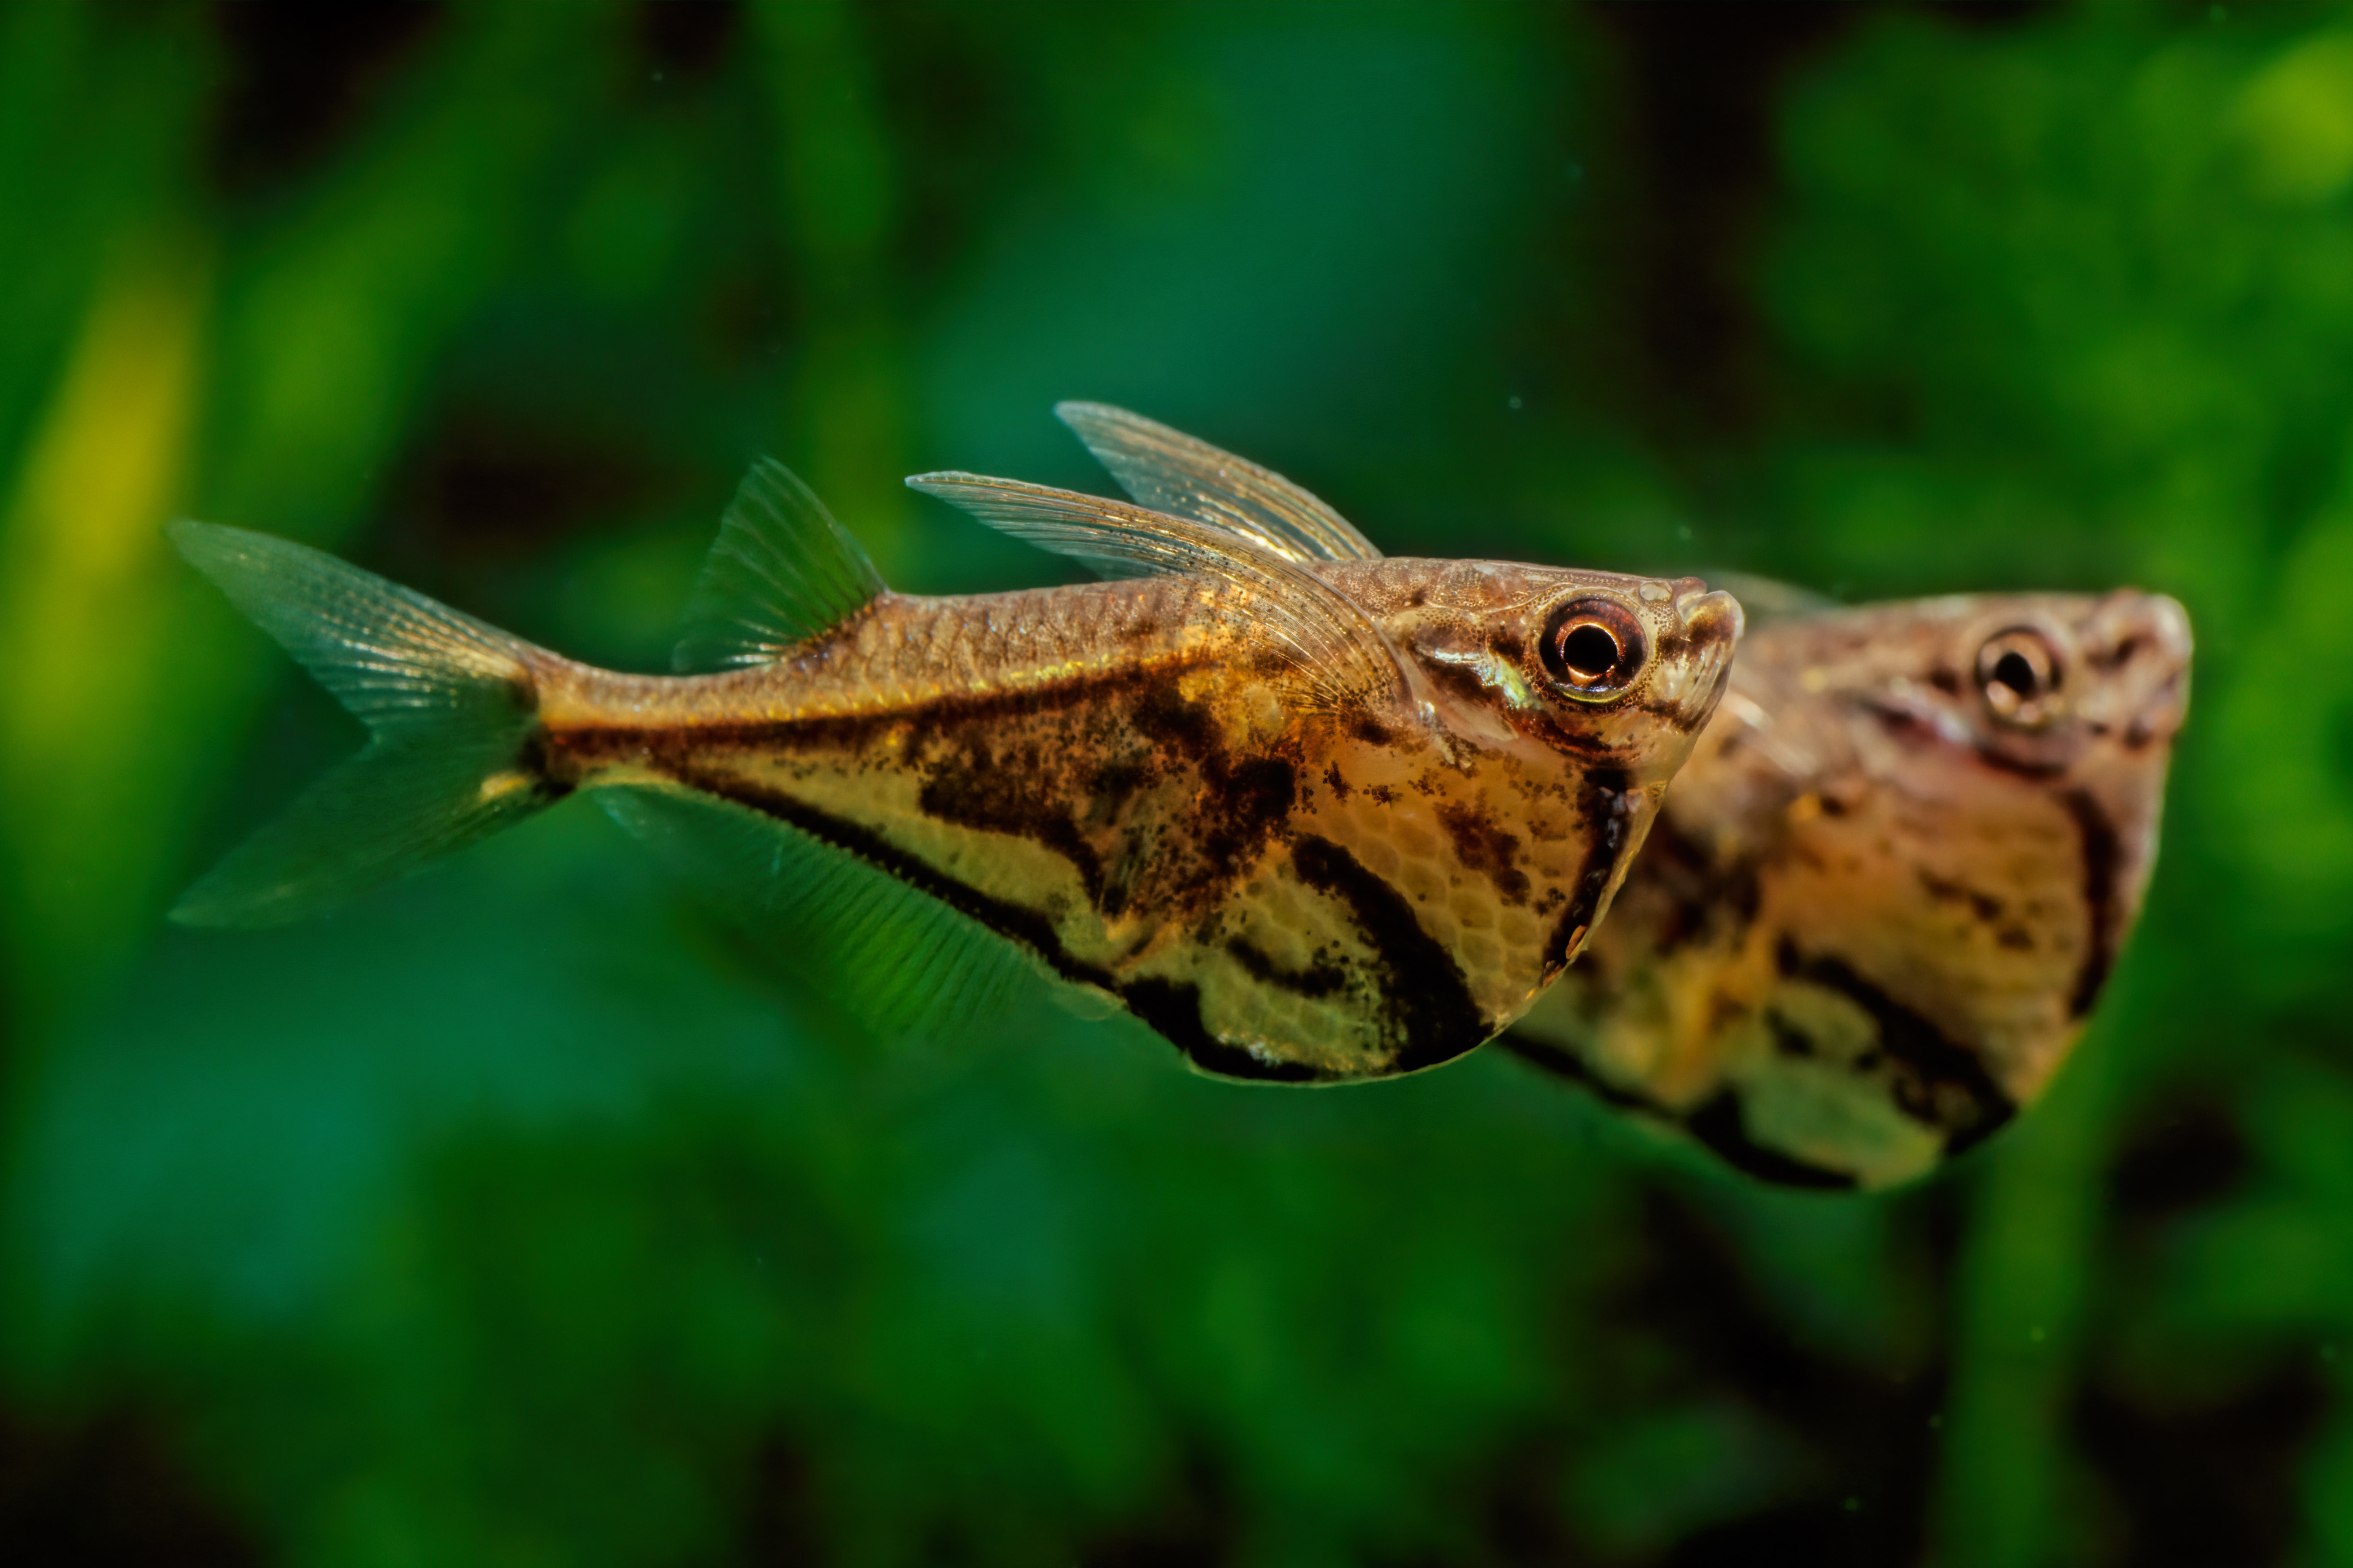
[(450, 707)]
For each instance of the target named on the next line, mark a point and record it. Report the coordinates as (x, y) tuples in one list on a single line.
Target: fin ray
[(781, 571), (900, 960), (449, 705), (1764, 600), (1338, 652), (1168, 471)]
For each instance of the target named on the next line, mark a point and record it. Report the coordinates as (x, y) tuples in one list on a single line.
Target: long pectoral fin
[(897, 959), (1340, 658), (1170, 471), (1766, 600), (781, 570)]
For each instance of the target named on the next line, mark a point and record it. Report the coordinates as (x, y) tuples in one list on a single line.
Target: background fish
[(1889, 885), (1311, 814)]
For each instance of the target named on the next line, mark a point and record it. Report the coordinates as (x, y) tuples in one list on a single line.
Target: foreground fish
[(1311, 814), (1889, 884)]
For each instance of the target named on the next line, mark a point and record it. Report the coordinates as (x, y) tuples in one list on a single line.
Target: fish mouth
[(1711, 622), (2169, 702), (2145, 640), (1707, 615)]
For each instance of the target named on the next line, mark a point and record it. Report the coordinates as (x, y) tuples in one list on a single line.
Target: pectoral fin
[(899, 959), (1340, 656), (1765, 600), (1167, 470)]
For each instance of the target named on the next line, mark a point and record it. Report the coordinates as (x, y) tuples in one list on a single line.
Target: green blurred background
[(515, 1217)]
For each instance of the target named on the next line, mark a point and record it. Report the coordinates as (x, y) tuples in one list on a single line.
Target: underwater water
[(521, 1214)]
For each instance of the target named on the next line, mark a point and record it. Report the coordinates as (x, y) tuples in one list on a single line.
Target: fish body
[(1888, 886), (1312, 813)]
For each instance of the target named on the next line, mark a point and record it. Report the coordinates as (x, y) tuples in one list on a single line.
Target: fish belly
[(1282, 901)]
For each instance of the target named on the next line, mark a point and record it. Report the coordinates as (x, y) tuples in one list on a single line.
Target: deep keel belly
[(1284, 901)]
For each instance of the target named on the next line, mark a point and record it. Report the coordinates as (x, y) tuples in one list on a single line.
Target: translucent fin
[(1170, 471), (897, 959), (450, 706), (1766, 599), (1340, 656), (781, 571)]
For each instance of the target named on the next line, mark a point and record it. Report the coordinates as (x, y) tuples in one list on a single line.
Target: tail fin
[(450, 707)]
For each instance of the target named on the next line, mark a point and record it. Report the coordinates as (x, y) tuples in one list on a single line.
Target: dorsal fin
[(1339, 655), (1169, 471), (780, 572)]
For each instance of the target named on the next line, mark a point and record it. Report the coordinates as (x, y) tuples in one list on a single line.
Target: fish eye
[(1593, 647), (2018, 672)]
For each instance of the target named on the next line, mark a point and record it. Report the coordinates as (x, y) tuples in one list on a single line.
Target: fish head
[(2053, 686), (1890, 881), (1976, 699), (1610, 671), (1981, 786), (2080, 697)]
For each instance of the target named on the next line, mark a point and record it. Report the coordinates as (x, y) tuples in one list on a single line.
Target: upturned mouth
[(1708, 615), (2161, 632), (2137, 649), (1710, 623)]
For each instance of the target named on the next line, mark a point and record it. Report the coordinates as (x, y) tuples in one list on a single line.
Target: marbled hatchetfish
[(1889, 884), (1311, 814)]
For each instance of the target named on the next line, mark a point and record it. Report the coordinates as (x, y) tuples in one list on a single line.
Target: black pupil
[(2012, 670), (1590, 652)]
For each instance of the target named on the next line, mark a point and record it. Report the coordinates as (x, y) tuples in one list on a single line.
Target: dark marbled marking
[(1705, 900), (1718, 1125), (1029, 927), (1431, 1011), (1569, 1065), (1608, 815), (1173, 1008), (1931, 1072), (2101, 855), (1984, 906), (1482, 847), (977, 790), (1322, 978)]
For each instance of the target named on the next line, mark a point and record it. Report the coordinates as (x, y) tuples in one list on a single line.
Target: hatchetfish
[(1889, 885), (1311, 814)]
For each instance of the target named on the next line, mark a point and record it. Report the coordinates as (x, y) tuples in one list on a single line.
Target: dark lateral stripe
[(1915, 1045), (538, 760), (2102, 853), (591, 743), (1609, 815), (1026, 926), (1320, 979), (1173, 1008), (986, 799), (1567, 1063), (1718, 1125), (1429, 1001)]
